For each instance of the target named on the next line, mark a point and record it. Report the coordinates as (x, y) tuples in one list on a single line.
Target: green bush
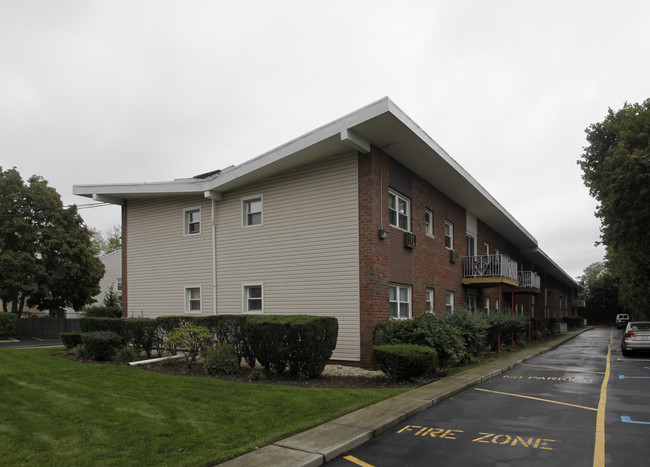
[(8, 324), (473, 328), (227, 329), (71, 339), (125, 354), (191, 340), (301, 344), (511, 329), (92, 324), (142, 334), (101, 345), (221, 359), (100, 311), (404, 361), (428, 330), (79, 352)]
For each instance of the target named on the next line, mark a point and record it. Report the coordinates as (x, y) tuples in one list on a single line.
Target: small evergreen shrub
[(79, 352), (191, 340), (221, 359), (101, 345), (8, 324), (227, 329), (404, 361), (473, 328), (70, 339), (125, 354)]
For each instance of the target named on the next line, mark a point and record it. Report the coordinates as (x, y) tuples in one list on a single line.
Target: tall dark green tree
[(46, 257), (616, 169), (600, 292)]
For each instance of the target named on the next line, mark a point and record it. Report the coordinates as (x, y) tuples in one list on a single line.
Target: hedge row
[(301, 344), (458, 338), (7, 324)]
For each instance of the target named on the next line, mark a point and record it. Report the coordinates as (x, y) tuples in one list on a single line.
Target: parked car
[(622, 320), (636, 337)]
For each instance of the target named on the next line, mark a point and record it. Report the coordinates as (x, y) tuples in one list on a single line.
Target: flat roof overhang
[(381, 124)]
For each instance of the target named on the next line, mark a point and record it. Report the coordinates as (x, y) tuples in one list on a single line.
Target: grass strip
[(60, 412)]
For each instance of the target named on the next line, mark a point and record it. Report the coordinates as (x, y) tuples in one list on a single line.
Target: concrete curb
[(325, 442)]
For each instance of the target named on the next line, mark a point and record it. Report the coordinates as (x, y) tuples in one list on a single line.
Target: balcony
[(529, 280), (489, 269)]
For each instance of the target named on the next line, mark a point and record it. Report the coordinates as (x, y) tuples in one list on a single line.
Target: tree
[(600, 291), (46, 257), (108, 242), (616, 169)]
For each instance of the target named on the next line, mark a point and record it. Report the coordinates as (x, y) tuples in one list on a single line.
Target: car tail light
[(629, 334)]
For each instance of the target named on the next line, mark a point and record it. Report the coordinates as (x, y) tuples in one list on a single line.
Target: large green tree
[(616, 169), (46, 257), (600, 292)]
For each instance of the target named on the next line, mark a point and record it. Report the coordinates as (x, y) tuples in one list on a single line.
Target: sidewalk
[(325, 442)]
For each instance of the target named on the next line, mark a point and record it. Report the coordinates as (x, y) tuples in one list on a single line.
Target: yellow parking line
[(599, 448), (559, 368), (536, 399), (354, 460)]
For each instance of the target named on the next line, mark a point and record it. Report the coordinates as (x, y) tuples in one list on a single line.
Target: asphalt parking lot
[(582, 404)]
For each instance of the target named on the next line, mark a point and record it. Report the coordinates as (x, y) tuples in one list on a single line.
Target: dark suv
[(622, 320)]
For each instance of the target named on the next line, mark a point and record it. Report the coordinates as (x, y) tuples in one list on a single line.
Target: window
[(252, 211), (254, 298), (472, 303), (487, 249), (400, 301), (449, 235), (399, 211), (449, 302), (471, 245), (193, 299), (192, 221), (487, 305), (428, 223), (429, 301), (118, 284)]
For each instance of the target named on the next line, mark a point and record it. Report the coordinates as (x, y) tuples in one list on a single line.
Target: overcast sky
[(133, 91)]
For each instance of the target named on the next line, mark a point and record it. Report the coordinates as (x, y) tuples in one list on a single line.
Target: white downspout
[(214, 263)]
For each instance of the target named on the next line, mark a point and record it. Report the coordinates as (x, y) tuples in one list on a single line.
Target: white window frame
[(486, 246), (246, 286), (118, 284), (449, 234), (188, 299), (450, 298), (430, 301), (428, 223), (472, 302), (487, 305), (187, 212), (393, 201), (245, 204), (399, 304)]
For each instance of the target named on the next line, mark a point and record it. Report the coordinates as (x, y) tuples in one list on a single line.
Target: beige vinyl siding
[(305, 254), (162, 260)]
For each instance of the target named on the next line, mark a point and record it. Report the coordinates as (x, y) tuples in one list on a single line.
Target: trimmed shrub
[(71, 339), (91, 324), (191, 340), (221, 359), (101, 311), (573, 322), (301, 344), (101, 345), (512, 329), (404, 361), (8, 324), (142, 334), (227, 329), (79, 352)]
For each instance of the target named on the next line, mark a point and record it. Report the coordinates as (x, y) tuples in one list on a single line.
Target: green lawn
[(58, 412)]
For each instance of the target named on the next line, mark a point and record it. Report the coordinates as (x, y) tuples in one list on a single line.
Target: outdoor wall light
[(382, 234)]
